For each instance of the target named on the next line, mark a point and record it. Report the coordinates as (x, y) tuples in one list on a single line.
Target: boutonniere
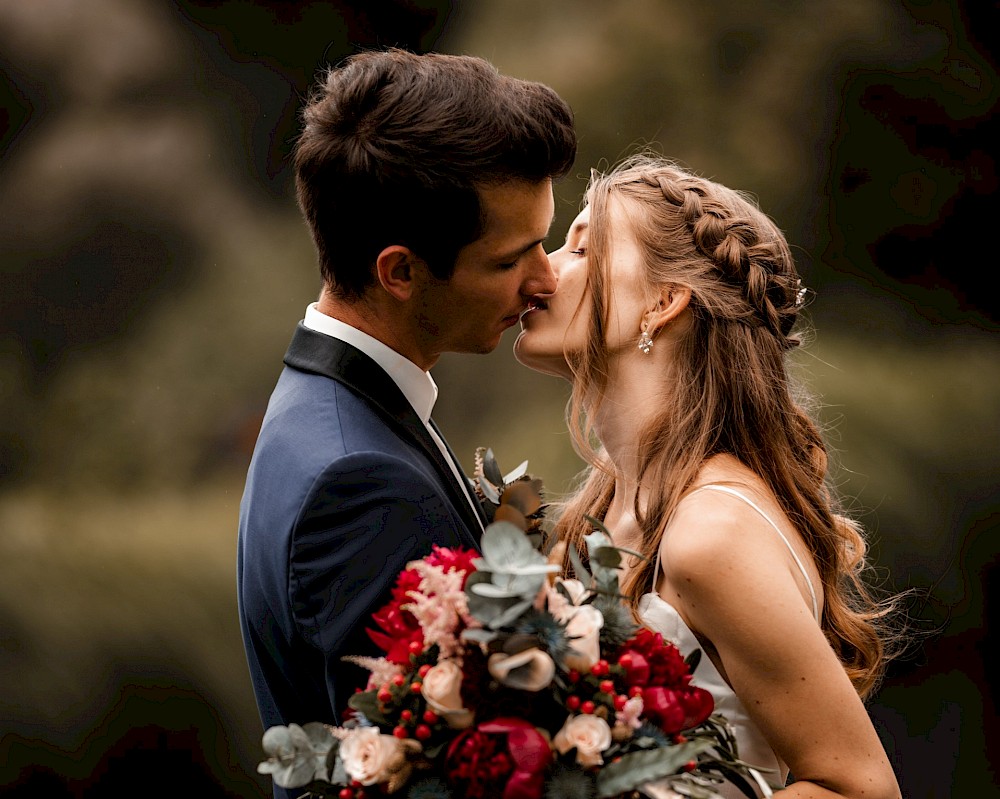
[(516, 497)]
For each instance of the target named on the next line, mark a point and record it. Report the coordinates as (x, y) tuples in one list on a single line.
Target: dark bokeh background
[(153, 265)]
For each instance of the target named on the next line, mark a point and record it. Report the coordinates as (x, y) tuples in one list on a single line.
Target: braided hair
[(731, 393)]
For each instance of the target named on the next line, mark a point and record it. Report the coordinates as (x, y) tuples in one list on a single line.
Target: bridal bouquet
[(502, 679)]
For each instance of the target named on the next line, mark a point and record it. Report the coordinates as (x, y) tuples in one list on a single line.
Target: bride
[(675, 308)]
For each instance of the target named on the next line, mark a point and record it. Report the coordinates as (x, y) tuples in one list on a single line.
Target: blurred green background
[(154, 265)]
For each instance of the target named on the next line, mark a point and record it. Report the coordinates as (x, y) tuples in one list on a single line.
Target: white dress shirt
[(416, 385)]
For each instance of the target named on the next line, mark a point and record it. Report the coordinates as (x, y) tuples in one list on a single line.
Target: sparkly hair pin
[(801, 292)]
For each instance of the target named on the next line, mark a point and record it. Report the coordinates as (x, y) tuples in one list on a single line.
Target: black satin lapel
[(324, 355), (470, 491), (320, 354)]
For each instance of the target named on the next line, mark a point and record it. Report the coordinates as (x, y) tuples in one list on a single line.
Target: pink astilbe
[(440, 607), (630, 715), (382, 670)]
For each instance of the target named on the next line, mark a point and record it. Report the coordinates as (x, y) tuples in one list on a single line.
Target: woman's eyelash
[(581, 251)]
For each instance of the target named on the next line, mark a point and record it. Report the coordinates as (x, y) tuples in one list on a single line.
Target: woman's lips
[(534, 305)]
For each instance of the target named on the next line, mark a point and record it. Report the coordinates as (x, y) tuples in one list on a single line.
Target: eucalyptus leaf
[(597, 524), (608, 557), (596, 540), (491, 470), (319, 736), (292, 761), (606, 577), (578, 568), (431, 752), (486, 609), (508, 589), (332, 759), (648, 765), (510, 615), (489, 491), (338, 774), (506, 548), (479, 635)]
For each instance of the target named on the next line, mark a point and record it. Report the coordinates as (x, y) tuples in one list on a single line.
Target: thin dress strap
[(738, 495)]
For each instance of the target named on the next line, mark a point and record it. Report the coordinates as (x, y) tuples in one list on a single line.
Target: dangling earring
[(645, 342)]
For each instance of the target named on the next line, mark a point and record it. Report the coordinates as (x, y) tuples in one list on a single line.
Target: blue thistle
[(619, 626), (551, 634)]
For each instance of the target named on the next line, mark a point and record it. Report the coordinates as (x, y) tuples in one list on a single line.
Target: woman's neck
[(636, 391)]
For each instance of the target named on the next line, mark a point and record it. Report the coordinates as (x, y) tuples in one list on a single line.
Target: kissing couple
[(671, 307)]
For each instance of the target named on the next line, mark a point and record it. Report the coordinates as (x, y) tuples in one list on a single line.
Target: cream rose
[(442, 689), (584, 634), (590, 735), (370, 757)]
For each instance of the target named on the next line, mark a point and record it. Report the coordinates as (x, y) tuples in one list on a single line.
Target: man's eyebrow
[(518, 253), (515, 255)]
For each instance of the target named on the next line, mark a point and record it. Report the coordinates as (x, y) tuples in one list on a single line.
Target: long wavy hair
[(731, 391)]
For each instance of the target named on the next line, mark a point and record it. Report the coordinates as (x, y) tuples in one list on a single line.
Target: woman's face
[(557, 326)]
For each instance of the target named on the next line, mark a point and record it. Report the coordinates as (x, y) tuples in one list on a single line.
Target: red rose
[(505, 757)]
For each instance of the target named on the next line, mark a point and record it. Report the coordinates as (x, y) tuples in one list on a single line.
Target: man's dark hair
[(395, 144)]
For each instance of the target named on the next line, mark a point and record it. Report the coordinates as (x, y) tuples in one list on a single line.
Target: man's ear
[(669, 305), (394, 269)]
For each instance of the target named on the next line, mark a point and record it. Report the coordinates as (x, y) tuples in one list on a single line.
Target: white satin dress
[(661, 617)]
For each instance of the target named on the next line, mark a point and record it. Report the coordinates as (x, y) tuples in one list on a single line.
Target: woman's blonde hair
[(731, 391)]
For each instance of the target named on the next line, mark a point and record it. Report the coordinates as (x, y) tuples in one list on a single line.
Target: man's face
[(495, 276)]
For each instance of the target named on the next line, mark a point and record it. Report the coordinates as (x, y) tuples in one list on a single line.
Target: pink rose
[(442, 690)]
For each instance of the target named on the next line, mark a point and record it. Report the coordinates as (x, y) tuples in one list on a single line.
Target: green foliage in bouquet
[(503, 679)]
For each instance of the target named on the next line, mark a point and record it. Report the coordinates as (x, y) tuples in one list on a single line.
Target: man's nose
[(543, 278)]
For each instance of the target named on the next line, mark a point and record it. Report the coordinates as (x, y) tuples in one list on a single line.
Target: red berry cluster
[(599, 690), (401, 701)]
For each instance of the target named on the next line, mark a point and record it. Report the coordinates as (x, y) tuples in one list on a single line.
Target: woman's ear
[(669, 305), (394, 268)]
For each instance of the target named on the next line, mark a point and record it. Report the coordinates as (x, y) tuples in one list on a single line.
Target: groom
[(426, 183)]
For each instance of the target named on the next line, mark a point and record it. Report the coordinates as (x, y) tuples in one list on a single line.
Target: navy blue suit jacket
[(345, 487)]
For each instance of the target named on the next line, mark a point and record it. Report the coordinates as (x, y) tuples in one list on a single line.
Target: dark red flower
[(674, 711), (665, 662), (457, 559), (398, 628), (505, 757)]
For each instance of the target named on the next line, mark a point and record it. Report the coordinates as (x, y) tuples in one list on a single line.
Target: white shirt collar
[(417, 385)]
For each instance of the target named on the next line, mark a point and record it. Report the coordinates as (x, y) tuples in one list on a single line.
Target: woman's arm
[(732, 580)]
